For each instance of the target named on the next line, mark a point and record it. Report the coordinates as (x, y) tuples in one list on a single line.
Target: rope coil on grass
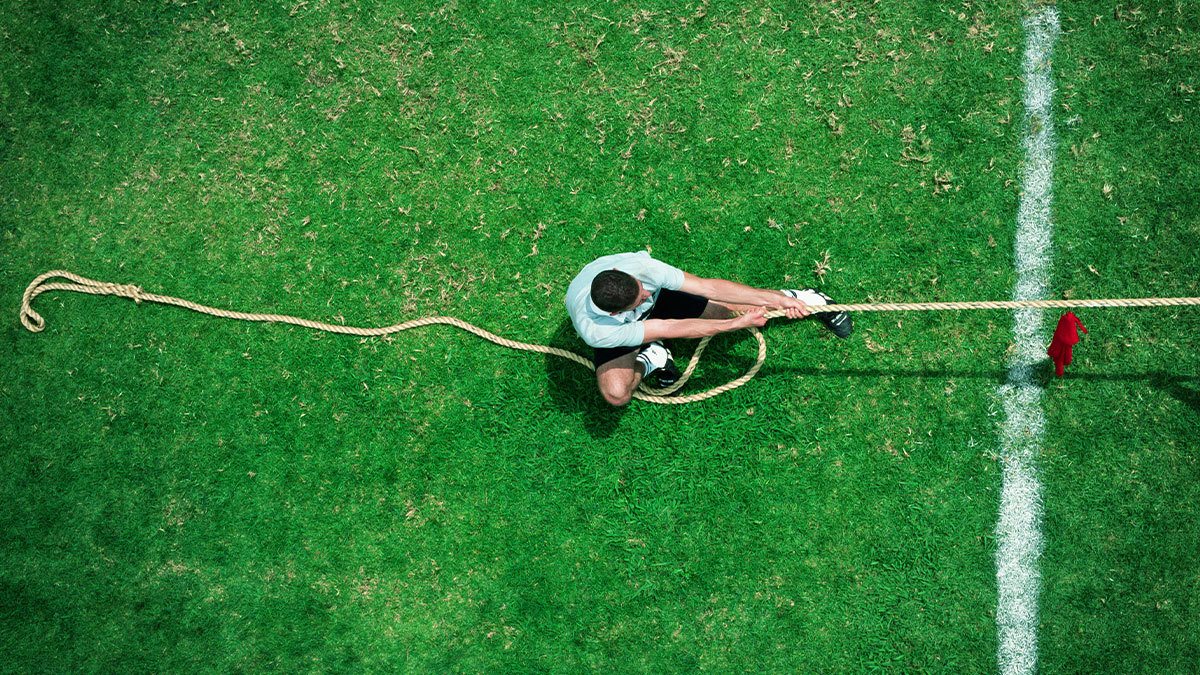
[(35, 323)]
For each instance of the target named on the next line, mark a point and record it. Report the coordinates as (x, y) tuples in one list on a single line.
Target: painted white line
[(1019, 527)]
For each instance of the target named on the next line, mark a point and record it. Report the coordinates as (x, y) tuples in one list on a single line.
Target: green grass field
[(186, 493)]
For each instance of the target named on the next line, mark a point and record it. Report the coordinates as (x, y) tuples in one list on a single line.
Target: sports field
[(184, 493)]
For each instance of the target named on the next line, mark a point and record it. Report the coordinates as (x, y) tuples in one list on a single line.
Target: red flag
[(1064, 338)]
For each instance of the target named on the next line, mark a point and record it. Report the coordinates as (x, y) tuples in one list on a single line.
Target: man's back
[(611, 329)]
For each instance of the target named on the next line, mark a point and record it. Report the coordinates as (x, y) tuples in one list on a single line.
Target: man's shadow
[(573, 386)]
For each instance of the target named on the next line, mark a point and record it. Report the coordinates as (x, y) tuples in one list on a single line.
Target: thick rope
[(35, 323)]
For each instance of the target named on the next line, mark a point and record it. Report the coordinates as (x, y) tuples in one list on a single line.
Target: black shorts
[(670, 305)]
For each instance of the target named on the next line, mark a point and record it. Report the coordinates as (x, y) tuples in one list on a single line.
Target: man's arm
[(722, 290), (658, 329)]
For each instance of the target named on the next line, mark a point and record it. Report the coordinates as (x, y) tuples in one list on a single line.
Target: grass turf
[(183, 492)]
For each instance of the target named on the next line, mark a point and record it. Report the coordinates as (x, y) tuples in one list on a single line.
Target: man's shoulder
[(634, 257)]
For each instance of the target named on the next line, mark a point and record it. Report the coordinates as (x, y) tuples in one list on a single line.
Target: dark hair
[(613, 291)]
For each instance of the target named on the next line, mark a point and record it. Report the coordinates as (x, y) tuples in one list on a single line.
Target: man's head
[(616, 291)]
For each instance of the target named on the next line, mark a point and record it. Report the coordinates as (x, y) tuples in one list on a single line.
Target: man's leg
[(619, 377)]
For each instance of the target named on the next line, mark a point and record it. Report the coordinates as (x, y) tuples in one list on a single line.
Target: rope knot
[(130, 291)]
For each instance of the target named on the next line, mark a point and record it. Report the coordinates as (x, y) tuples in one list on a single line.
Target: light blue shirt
[(599, 328)]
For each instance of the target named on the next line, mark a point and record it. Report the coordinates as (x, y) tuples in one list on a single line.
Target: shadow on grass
[(573, 387), (1182, 388), (1174, 387)]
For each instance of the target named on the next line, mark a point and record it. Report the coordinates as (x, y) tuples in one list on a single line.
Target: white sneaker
[(838, 323), (653, 357), (808, 296)]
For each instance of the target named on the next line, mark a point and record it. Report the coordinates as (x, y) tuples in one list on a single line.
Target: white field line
[(1019, 527)]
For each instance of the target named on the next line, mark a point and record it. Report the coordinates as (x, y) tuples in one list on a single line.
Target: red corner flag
[(1064, 338)]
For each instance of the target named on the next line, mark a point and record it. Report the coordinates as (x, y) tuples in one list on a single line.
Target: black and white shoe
[(656, 360), (838, 323), (667, 375)]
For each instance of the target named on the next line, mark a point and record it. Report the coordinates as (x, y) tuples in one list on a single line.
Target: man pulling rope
[(625, 305)]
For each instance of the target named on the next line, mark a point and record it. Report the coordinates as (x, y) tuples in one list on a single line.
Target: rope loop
[(35, 323), (32, 321), (29, 318)]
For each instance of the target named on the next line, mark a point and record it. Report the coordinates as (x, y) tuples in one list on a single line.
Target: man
[(623, 305)]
